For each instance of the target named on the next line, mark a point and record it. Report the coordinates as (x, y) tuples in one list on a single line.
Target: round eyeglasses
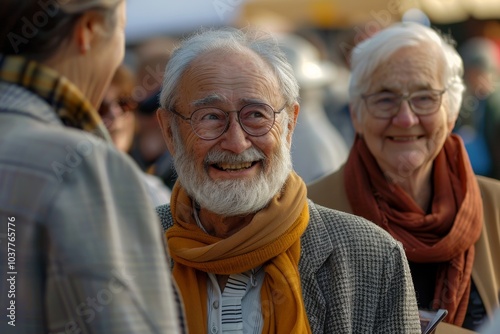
[(210, 123), (387, 104)]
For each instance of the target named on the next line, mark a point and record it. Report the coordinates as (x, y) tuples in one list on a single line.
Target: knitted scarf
[(70, 105), (446, 235), (272, 238)]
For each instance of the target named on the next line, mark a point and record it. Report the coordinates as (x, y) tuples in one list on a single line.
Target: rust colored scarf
[(446, 235), (272, 238)]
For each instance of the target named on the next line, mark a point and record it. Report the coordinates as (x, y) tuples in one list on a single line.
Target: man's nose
[(235, 139)]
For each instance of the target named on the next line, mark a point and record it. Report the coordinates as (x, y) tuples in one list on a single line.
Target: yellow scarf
[(70, 105), (272, 238)]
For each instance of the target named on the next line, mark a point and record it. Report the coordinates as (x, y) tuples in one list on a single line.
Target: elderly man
[(251, 254)]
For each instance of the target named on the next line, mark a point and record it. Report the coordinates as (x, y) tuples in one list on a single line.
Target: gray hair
[(371, 53), (227, 40)]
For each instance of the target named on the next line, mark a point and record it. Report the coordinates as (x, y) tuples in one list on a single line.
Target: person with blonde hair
[(80, 248), (118, 111)]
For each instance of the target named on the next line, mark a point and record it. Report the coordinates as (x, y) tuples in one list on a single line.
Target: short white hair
[(368, 55), (227, 40)]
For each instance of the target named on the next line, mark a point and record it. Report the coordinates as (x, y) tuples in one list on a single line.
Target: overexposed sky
[(148, 18)]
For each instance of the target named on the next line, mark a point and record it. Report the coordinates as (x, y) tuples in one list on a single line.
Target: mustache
[(218, 156)]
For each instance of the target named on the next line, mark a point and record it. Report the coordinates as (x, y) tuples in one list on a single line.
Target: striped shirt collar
[(65, 98)]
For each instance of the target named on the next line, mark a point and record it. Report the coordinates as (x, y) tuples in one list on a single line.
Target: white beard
[(233, 197)]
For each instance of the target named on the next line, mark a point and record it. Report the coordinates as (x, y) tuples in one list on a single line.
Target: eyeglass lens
[(255, 119), (387, 104)]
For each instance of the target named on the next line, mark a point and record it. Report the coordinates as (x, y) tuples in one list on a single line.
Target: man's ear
[(88, 29), (166, 130), (292, 122)]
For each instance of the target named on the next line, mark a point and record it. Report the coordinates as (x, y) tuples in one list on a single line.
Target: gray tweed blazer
[(355, 277)]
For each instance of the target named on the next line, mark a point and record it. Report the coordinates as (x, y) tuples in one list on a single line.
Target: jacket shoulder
[(329, 191), (49, 147), (490, 194), (348, 229)]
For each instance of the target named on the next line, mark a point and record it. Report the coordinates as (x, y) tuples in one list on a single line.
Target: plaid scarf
[(65, 98)]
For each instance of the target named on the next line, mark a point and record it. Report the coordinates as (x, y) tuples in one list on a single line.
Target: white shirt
[(237, 309)]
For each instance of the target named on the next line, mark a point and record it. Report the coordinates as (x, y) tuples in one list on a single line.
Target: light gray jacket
[(84, 252)]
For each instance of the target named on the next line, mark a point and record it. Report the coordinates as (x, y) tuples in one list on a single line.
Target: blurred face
[(405, 143), (480, 83), (236, 173), (149, 138), (118, 116)]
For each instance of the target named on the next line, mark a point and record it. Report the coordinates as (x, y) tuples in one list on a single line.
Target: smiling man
[(251, 253)]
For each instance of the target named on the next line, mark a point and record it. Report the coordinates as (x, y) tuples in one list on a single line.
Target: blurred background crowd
[(317, 37)]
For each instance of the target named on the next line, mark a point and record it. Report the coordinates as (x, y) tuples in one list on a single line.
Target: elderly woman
[(80, 244), (408, 174)]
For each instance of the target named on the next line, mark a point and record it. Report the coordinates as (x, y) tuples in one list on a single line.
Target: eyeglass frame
[(226, 127), (406, 97)]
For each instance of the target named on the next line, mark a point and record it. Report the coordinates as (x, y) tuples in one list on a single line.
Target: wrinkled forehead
[(245, 60), (220, 75), (421, 66)]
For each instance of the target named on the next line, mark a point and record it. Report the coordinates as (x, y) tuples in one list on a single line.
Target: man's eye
[(209, 117), (254, 114)]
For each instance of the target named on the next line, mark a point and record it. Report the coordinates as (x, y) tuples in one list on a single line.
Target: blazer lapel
[(310, 261)]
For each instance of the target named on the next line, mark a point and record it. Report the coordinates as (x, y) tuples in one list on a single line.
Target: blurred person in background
[(337, 93), (318, 148), (492, 327), (154, 157), (118, 111), (410, 175), (149, 149), (118, 107), (84, 247), (479, 120)]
